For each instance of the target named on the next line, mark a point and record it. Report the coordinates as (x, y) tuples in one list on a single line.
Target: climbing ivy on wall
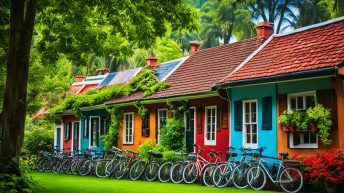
[(172, 135), (145, 82), (111, 138)]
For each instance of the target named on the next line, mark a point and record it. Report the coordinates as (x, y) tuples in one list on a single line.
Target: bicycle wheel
[(136, 170), (101, 169), (164, 172), (110, 168), (85, 168), (222, 175), (208, 174), (176, 174), (57, 167), (151, 172), (121, 169), (66, 166), (239, 176), (291, 180), (75, 167), (256, 178), (190, 173)]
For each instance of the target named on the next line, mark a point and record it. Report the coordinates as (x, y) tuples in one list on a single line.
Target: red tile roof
[(75, 89), (311, 48), (206, 67)]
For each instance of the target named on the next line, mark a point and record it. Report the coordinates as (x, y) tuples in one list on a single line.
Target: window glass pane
[(300, 102), (248, 138), (310, 101), (254, 128), (313, 137), (247, 107), (253, 107), (306, 138), (253, 118), (293, 103), (247, 117), (254, 138)]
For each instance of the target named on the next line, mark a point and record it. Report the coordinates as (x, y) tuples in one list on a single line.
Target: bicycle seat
[(283, 154), (230, 154), (154, 154)]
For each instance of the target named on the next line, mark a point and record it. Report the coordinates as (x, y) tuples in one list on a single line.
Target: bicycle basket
[(192, 157), (292, 163)]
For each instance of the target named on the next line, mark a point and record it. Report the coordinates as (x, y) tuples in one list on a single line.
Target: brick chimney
[(102, 71), (79, 78), (265, 29), (152, 61), (194, 46)]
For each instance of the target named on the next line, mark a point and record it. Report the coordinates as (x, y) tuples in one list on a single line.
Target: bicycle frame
[(263, 164)]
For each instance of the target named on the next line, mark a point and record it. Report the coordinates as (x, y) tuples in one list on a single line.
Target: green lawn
[(60, 183)]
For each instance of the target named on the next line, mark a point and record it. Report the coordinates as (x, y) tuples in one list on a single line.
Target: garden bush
[(325, 171)]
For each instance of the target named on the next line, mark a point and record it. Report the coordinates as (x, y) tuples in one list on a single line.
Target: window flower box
[(315, 119)]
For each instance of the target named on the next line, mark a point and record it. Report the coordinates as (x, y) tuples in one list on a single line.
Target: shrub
[(324, 168), (39, 136), (147, 146)]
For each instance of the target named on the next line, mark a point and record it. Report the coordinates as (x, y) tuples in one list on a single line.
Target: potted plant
[(286, 121), (320, 122)]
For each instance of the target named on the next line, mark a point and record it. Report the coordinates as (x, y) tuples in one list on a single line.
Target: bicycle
[(176, 173), (123, 167), (194, 169), (207, 175), (222, 174), (239, 172), (287, 176), (148, 168)]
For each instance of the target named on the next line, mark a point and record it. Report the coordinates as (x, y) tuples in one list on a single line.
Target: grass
[(60, 183)]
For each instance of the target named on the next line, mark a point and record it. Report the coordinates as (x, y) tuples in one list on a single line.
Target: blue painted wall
[(85, 141), (267, 138)]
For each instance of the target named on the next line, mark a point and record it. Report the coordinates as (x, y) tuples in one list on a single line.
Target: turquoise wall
[(267, 138), (86, 116)]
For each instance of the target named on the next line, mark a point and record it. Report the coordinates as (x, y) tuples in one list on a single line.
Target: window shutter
[(283, 102), (218, 118), (187, 120), (238, 116), (224, 115), (267, 113), (328, 98), (199, 120)]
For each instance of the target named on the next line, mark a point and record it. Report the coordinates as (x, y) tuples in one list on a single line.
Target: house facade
[(292, 71)]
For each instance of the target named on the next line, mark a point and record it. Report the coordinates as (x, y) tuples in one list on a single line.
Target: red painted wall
[(222, 136), (67, 144)]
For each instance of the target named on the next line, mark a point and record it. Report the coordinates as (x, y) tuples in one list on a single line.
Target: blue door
[(58, 138)]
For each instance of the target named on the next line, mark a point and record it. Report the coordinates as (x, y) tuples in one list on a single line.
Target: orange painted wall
[(138, 139), (337, 135)]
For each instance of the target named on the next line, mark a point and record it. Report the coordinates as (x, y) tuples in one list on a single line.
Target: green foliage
[(172, 135), (11, 183), (304, 121), (111, 138), (39, 136), (167, 50), (144, 82), (148, 146), (322, 117), (142, 110)]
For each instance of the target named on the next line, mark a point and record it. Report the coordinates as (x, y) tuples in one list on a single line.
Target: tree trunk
[(22, 16)]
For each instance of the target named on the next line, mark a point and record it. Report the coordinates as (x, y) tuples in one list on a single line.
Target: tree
[(221, 19), (272, 10), (76, 29), (310, 12)]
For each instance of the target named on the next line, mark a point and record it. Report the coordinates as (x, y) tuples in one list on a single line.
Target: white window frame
[(125, 129), (84, 130), (291, 136), (90, 129), (159, 126), (72, 145), (59, 126), (206, 141), (249, 145), (194, 108)]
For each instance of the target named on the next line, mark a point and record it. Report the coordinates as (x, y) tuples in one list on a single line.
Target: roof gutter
[(330, 71)]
